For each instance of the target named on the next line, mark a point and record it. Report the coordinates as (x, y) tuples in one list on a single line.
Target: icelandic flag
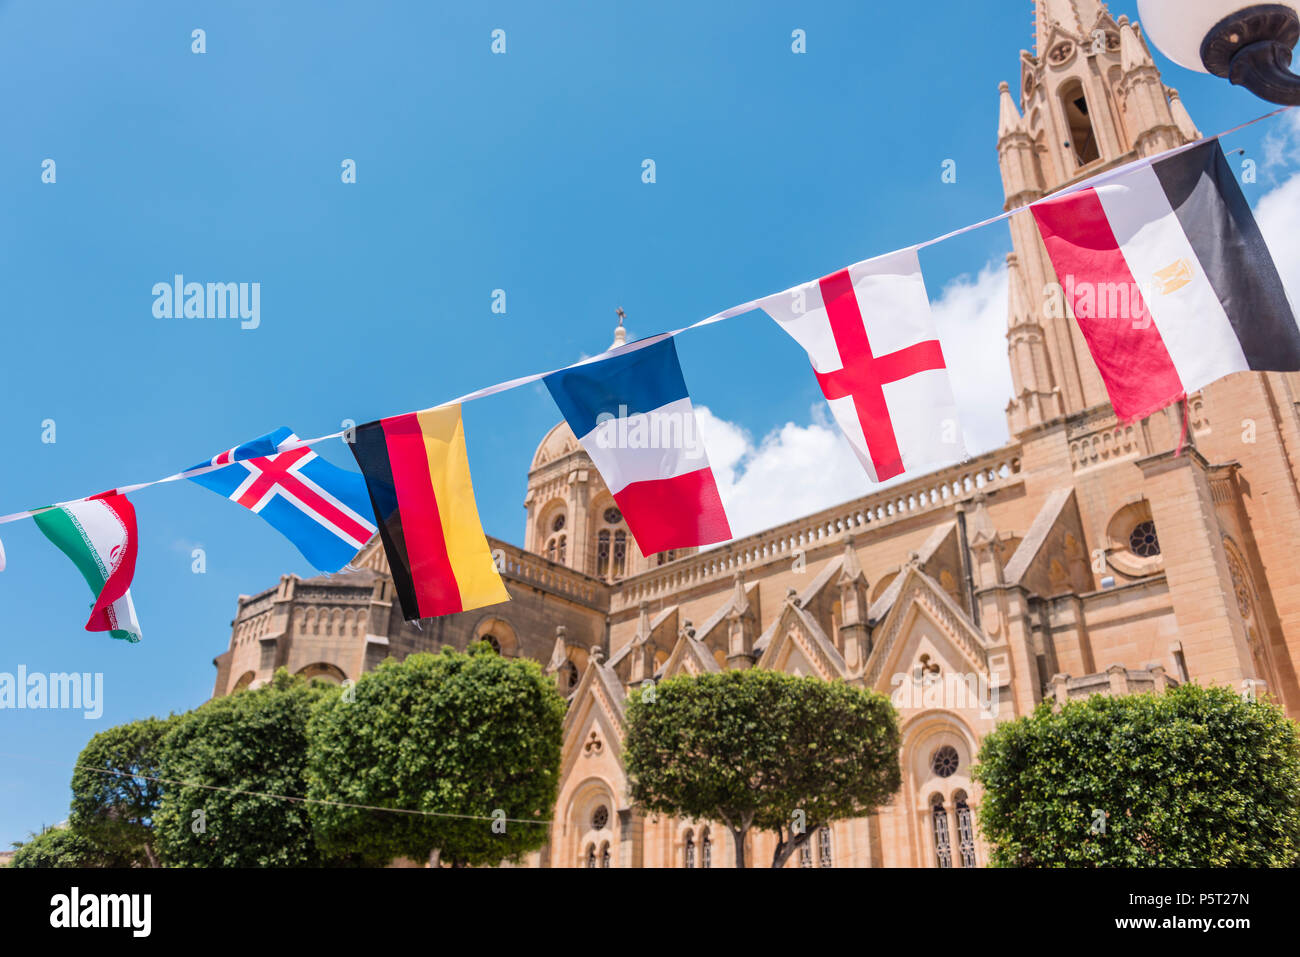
[(323, 509), (634, 417)]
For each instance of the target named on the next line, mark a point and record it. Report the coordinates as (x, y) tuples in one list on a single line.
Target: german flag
[(417, 472)]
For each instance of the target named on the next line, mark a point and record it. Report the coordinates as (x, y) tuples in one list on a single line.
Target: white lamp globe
[(1179, 27)]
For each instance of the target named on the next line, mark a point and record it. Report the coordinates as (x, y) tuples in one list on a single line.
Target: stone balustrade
[(940, 489), (515, 563)]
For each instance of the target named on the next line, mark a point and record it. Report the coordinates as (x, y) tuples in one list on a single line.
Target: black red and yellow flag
[(417, 472)]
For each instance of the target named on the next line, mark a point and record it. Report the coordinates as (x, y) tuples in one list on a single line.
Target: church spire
[(1090, 98), (620, 334), (1076, 17), (1021, 176), (1183, 119), (1010, 122)]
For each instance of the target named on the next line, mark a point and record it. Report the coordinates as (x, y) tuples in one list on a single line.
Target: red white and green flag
[(99, 535), (1169, 278)]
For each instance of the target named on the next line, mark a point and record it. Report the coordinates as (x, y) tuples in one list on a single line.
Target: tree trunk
[(786, 848), (150, 856), (738, 837)]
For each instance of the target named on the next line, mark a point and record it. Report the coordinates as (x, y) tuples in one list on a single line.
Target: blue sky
[(475, 172)]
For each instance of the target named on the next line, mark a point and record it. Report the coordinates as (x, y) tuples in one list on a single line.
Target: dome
[(559, 442)]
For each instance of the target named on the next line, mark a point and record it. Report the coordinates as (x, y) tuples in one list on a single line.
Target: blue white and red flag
[(633, 416)]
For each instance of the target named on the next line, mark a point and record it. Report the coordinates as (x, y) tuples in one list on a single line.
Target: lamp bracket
[(1253, 48)]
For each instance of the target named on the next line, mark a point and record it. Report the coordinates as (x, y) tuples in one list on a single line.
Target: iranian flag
[(98, 534), (1169, 278)]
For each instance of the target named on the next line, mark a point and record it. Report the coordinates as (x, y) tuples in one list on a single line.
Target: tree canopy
[(473, 739), (1194, 777), (761, 749), (65, 847), (254, 740), (115, 791)]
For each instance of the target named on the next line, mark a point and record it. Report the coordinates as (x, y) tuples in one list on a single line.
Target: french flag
[(633, 416), (1169, 278)]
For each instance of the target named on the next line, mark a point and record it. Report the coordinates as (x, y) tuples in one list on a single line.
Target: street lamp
[(1249, 44)]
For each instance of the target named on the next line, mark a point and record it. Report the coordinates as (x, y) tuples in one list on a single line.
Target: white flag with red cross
[(875, 351)]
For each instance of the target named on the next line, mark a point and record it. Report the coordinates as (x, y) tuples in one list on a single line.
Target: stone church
[(1084, 556)]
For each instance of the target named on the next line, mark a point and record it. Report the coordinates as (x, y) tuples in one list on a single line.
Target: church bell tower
[(1090, 98)]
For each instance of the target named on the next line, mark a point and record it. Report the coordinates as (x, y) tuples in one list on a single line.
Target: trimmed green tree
[(761, 749), (240, 757), (1194, 777), (115, 793), (472, 741), (64, 847)]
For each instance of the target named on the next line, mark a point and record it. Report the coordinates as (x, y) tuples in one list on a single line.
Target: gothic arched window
[(570, 675), (555, 543), (1083, 138), (492, 640), (591, 856), (706, 849), (688, 850), (602, 553), (965, 831), (604, 855), (824, 847), (942, 840), (563, 549), (805, 854), (620, 553)]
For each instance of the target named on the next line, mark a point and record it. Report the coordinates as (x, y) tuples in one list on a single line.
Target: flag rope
[(731, 313)]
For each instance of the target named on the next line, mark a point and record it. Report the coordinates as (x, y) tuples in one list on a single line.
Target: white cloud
[(1281, 143), (1277, 214), (796, 469), (971, 314)]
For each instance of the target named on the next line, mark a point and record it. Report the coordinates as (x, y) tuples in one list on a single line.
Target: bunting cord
[(731, 313)]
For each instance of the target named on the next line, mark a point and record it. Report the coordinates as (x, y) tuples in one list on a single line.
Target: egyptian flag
[(417, 473), (634, 417), (1169, 279)]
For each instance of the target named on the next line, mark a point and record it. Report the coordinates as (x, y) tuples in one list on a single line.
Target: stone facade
[(1087, 555)]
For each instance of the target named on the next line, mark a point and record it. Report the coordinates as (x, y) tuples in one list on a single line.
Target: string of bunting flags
[(1205, 300)]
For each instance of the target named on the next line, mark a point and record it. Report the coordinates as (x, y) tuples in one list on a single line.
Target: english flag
[(1169, 278), (874, 349)]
